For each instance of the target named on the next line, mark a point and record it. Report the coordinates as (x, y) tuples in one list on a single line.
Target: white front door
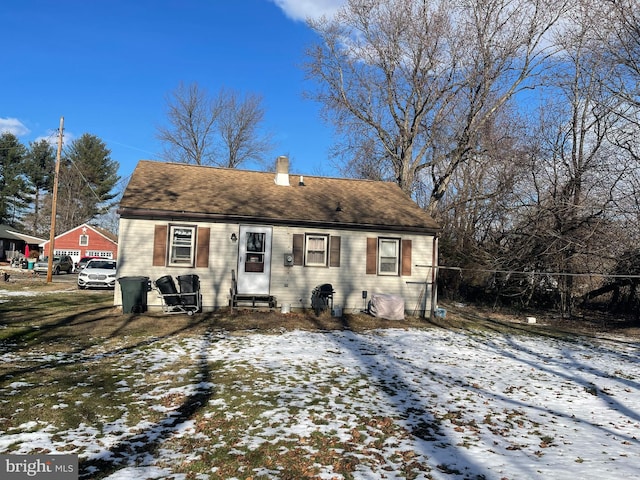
[(254, 260)]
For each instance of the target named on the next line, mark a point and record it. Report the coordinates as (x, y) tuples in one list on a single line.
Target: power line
[(113, 142), (516, 272), (87, 183)]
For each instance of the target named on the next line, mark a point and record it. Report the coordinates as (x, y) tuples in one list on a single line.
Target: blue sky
[(108, 66)]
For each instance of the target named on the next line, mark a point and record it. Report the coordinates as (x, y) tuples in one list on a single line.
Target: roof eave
[(171, 215), (30, 239)]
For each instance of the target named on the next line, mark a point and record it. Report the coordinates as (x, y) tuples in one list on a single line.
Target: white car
[(98, 273)]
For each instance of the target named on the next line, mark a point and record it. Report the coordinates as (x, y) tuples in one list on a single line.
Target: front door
[(254, 260)]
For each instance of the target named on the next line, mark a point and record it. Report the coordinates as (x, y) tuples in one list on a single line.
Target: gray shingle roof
[(159, 190)]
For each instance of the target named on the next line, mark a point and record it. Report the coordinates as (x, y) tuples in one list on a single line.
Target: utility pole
[(54, 201)]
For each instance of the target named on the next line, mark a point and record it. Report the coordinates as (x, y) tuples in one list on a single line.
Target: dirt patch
[(457, 318), (308, 321)]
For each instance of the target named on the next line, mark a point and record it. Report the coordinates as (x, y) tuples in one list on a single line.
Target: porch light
[(234, 237)]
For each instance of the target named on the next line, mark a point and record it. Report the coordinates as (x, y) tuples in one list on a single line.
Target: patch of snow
[(143, 473), (17, 385), (29, 293), (18, 293), (462, 404)]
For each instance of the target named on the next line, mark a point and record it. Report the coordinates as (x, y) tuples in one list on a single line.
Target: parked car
[(82, 263), (98, 273), (62, 263)]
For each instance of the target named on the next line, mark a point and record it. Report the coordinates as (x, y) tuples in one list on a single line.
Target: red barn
[(84, 241)]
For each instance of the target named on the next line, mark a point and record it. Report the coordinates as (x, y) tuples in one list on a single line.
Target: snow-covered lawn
[(415, 403)]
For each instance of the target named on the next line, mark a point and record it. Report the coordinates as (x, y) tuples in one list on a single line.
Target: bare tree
[(576, 170), (224, 130), (422, 78), (239, 128), (192, 115), (619, 32), (478, 212)]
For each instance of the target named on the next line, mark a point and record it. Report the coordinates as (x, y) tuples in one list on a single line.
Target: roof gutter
[(172, 215)]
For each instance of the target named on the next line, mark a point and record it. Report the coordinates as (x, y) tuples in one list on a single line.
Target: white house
[(277, 235)]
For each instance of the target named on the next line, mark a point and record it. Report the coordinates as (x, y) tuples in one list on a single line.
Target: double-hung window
[(388, 256), (181, 245), (316, 250)]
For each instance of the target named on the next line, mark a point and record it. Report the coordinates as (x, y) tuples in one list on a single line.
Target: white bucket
[(286, 308)]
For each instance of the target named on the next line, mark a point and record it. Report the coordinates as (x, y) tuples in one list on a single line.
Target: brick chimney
[(282, 171)]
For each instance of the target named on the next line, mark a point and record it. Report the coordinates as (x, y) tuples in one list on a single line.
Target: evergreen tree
[(13, 190), (39, 169), (88, 176)]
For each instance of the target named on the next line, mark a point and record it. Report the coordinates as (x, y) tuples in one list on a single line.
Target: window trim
[(398, 256), (85, 237), (325, 251), (171, 261)]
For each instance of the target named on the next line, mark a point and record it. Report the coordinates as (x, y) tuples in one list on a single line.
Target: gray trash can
[(134, 294)]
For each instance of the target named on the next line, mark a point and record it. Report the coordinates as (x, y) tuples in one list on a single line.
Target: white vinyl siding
[(290, 285), (294, 285)]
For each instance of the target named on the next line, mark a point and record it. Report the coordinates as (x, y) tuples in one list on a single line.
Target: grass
[(70, 359)]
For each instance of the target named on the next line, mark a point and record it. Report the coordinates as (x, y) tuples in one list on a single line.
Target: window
[(71, 253), (316, 250), (186, 244), (99, 254), (181, 245), (255, 247), (84, 240), (389, 254)]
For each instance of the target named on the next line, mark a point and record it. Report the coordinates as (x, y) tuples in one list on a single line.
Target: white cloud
[(301, 10), (13, 125)]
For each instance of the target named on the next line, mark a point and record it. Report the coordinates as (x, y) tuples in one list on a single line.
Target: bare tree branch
[(422, 78), (225, 130), (192, 115), (239, 127)]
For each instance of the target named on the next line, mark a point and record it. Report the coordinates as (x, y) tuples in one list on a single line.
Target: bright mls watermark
[(49, 467)]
